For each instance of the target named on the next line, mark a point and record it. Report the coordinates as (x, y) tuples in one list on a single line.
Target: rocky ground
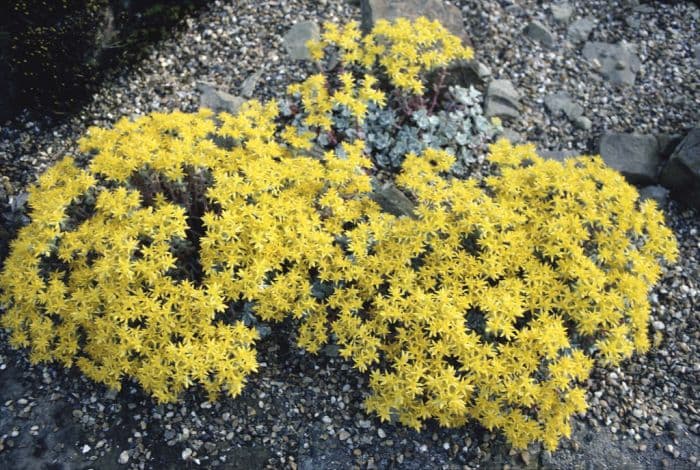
[(305, 412)]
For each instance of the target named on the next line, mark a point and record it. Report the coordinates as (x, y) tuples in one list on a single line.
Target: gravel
[(302, 411)]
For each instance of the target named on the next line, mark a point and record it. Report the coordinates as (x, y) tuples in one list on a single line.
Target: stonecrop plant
[(492, 303)]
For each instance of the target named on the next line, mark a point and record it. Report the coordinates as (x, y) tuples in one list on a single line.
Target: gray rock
[(667, 144), (579, 30), (513, 136), (448, 15), (249, 84), (655, 192), (562, 11), (218, 100), (696, 50), (539, 33), (393, 200), (583, 123), (618, 62), (633, 21), (682, 172), (502, 100), (636, 156), (467, 73), (297, 36), (561, 102)]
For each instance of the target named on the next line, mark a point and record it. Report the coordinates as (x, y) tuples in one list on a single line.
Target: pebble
[(124, 457)]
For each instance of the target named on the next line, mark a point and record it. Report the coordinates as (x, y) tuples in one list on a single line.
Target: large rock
[(297, 36), (561, 102), (448, 15), (682, 172), (636, 156), (618, 62), (502, 100), (579, 30), (217, 100)]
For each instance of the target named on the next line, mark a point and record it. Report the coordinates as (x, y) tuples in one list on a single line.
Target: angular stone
[(562, 11), (636, 156), (655, 192), (448, 15), (297, 36), (561, 102), (249, 84), (682, 172), (579, 30), (467, 73), (218, 100), (393, 200), (618, 62), (502, 100), (514, 137), (539, 33)]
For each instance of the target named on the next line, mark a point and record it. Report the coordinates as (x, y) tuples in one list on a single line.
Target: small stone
[(124, 457), (562, 11), (326, 419), (186, 454), (218, 100), (540, 33), (561, 102), (249, 84), (657, 193), (502, 100), (579, 30), (381, 433), (583, 123), (637, 413), (364, 424), (658, 325), (86, 448), (296, 38), (343, 435)]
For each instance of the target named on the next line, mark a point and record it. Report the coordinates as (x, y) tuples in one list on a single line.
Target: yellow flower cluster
[(404, 49), (108, 293), (491, 304), (474, 304)]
